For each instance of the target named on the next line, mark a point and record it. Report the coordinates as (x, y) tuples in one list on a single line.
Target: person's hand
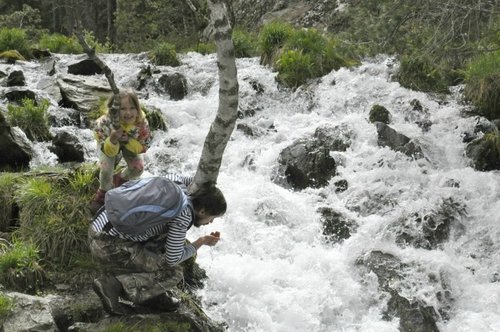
[(118, 135), (212, 239)]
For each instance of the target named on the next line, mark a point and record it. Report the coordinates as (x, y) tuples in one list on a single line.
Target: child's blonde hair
[(132, 96)]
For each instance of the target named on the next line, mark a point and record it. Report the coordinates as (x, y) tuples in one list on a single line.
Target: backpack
[(138, 205)]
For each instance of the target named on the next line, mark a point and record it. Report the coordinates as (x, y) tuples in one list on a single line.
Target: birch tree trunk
[(225, 120)]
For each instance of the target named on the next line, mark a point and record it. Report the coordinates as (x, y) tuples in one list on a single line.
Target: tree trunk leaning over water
[(114, 112), (225, 120)]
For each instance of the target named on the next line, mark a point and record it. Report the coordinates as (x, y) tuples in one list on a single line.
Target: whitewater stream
[(273, 269)]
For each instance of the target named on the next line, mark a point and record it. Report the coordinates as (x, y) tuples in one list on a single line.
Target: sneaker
[(166, 302), (109, 289)]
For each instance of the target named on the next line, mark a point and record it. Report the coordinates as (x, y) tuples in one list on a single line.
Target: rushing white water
[(272, 269)]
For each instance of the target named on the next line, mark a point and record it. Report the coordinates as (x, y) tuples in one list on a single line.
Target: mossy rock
[(485, 94), (379, 113), (12, 56)]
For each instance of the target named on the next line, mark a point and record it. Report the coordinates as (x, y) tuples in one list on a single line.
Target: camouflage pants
[(137, 265)]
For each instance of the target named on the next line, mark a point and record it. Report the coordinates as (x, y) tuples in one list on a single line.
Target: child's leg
[(107, 165), (135, 165)]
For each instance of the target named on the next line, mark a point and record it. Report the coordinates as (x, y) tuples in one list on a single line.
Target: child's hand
[(216, 234), (118, 135)]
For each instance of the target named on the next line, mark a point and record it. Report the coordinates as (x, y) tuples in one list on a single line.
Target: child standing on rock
[(132, 139)]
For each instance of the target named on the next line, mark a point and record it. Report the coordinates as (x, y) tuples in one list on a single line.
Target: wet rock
[(16, 78), (429, 229), (396, 141), (14, 140), (29, 313), (16, 95), (85, 67), (174, 84), (305, 163), (484, 152), (336, 227), (82, 93), (414, 315), (67, 148), (336, 138)]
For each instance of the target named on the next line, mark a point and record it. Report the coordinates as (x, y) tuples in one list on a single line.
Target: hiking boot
[(98, 201), (109, 290), (118, 180), (167, 301)]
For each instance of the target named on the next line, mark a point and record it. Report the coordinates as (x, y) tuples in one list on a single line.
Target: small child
[(132, 138)]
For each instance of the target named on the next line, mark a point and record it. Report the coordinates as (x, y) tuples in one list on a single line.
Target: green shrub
[(164, 54), (58, 43), (482, 79), (20, 267), (205, 48), (244, 45), (31, 118), (95, 44), (14, 39), (271, 38), (294, 68), (54, 214), (421, 73), (7, 203)]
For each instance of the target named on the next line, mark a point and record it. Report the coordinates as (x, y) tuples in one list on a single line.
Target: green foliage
[(5, 307), (58, 43), (164, 54), (244, 45), (20, 267), (271, 38), (144, 326), (140, 25), (205, 48), (421, 73), (54, 215), (299, 54), (14, 39), (31, 118), (95, 44), (294, 68), (8, 182), (483, 84)]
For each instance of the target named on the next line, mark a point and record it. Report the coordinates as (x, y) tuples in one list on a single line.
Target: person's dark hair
[(211, 199)]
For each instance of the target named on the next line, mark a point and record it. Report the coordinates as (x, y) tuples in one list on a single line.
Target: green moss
[(5, 307), (379, 113), (12, 56)]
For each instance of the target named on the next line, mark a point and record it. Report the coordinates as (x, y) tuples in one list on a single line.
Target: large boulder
[(67, 147), (13, 140), (174, 84), (82, 93), (484, 152), (414, 314), (305, 163)]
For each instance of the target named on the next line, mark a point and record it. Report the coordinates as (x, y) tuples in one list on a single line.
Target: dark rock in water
[(336, 227), (175, 85), (484, 152), (305, 163), (85, 67), (67, 148), (16, 78), (396, 141), (16, 146), (379, 113)]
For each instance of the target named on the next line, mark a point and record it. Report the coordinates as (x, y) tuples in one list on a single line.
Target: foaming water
[(272, 269)]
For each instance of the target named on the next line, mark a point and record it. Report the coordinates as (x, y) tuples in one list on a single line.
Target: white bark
[(225, 120)]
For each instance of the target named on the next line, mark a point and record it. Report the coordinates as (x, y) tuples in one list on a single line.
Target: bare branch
[(115, 108)]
